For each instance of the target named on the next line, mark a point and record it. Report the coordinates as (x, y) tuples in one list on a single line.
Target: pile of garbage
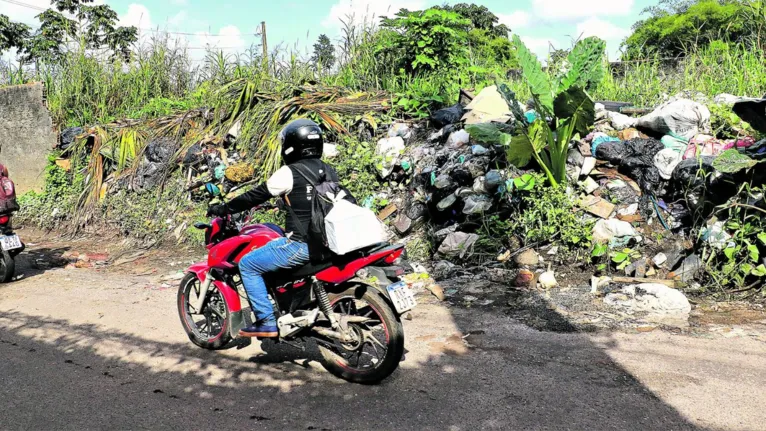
[(635, 180)]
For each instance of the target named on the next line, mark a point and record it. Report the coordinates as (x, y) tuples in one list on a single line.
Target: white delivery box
[(350, 227)]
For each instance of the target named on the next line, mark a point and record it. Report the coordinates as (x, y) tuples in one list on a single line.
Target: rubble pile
[(643, 183)]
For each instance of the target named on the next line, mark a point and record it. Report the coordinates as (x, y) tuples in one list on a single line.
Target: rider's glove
[(220, 210)]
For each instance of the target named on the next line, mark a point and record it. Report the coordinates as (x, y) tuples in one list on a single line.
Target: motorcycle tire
[(394, 332), (215, 341), (7, 267)]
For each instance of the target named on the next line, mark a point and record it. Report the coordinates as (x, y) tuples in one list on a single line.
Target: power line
[(154, 30), (31, 6)]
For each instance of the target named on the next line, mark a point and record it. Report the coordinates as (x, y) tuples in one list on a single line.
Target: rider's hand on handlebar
[(220, 210)]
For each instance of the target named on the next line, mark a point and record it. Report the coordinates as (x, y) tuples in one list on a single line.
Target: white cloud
[(514, 20), (539, 45), (612, 34), (137, 15), (575, 9), (230, 39), (179, 19), (367, 10), (24, 14)]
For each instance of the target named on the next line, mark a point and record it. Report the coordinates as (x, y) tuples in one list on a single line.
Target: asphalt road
[(97, 349)]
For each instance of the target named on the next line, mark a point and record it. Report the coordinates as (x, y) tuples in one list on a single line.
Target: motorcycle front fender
[(229, 293)]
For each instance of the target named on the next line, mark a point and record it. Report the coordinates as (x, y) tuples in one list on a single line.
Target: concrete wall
[(26, 135)]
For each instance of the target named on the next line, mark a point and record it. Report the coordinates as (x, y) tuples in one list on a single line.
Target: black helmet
[(301, 139)]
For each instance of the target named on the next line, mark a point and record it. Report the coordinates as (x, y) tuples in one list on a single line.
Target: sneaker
[(260, 330)]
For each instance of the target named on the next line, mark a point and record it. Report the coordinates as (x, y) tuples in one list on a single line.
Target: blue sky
[(295, 24)]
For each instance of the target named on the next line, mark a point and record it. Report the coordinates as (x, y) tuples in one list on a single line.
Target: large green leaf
[(512, 101), (540, 135), (586, 65), (519, 151), (576, 104), (533, 73), (731, 161)]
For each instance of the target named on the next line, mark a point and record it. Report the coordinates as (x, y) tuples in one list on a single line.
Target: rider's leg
[(278, 254)]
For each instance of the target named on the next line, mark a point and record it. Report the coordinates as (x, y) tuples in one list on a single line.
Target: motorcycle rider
[(302, 144)]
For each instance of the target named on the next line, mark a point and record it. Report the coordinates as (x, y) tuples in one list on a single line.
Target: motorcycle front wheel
[(209, 329), (380, 342)]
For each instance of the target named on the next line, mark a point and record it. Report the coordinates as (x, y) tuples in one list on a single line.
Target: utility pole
[(265, 45)]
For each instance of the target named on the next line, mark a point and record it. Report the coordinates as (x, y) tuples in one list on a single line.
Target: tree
[(94, 27), (481, 18), (676, 26), (12, 34), (428, 40), (324, 53)]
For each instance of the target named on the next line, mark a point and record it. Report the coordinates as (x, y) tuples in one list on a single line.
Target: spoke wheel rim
[(372, 347), (211, 323)]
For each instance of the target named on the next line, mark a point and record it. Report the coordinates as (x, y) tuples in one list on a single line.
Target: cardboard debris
[(597, 206), (386, 212), (489, 105)]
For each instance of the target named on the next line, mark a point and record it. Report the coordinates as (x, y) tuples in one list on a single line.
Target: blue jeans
[(278, 254)]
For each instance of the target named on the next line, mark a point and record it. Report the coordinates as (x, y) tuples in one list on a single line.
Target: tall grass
[(712, 70)]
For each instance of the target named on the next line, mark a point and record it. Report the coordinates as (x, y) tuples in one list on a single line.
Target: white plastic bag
[(683, 118), (350, 227)]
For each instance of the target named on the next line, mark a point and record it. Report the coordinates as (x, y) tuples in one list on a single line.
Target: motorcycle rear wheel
[(7, 267), (373, 359), (211, 328)]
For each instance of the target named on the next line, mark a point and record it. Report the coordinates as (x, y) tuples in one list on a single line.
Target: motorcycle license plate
[(10, 242), (401, 296)]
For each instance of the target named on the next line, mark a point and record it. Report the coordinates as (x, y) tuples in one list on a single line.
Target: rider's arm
[(281, 183)]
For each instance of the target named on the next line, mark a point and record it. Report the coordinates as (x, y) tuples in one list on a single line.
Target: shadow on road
[(487, 373)]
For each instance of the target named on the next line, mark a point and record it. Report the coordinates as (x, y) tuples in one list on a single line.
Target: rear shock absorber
[(324, 302)]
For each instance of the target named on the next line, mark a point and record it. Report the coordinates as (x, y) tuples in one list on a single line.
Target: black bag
[(321, 204)]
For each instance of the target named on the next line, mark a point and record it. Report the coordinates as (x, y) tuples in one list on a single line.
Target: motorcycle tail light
[(391, 258), (4, 219)]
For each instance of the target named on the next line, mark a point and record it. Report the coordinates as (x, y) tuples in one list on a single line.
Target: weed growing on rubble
[(547, 214), (56, 203)]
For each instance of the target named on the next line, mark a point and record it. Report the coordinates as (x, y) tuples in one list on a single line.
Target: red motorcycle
[(351, 305)]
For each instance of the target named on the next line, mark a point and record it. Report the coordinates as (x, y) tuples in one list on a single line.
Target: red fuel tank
[(227, 253)]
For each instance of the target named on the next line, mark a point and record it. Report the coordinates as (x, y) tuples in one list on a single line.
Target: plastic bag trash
[(161, 150), (443, 181), (621, 121), (607, 230), (68, 136), (599, 139), (666, 162), (458, 139), (628, 134), (629, 210), (458, 244), (752, 111), (531, 116), (493, 180), (635, 159), (401, 130), (689, 268), (446, 202), (330, 151), (683, 118), (194, 156), (480, 185), (715, 234), (704, 145), (477, 204), (726, 99), (350, 227), (489, 105), (390, 149), (478, 150), (675, 143), (446, 116)]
